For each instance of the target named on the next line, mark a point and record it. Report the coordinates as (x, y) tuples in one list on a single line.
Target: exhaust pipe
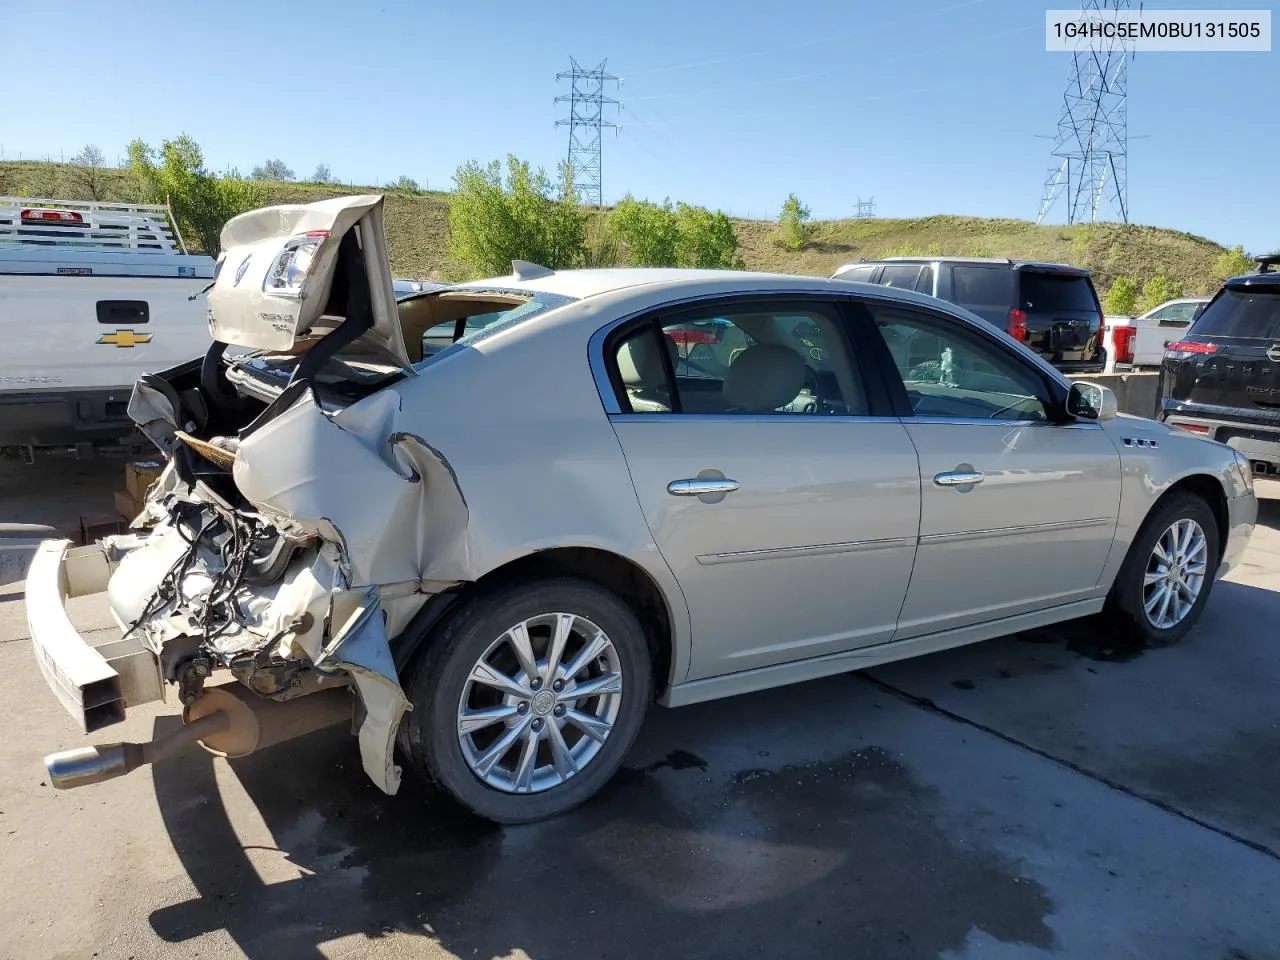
[(227, 721), (1262, 468)]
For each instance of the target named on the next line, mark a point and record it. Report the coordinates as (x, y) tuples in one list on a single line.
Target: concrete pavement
[(1054, 795)]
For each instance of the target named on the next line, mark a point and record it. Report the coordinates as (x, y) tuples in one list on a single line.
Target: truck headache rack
[(90, 225), (92, 238)]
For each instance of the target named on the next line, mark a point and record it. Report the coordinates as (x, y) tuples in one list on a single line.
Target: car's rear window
[(1057, 291), (495, 322), (1239, 314), (981, 286)]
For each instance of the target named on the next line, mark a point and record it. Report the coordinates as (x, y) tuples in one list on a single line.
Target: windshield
[(1057, 291), (1239, 314)]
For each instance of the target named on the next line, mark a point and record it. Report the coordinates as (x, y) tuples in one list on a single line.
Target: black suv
[(1051, 307), (1222, 379)]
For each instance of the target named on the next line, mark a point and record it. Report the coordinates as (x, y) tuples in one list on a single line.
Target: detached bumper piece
[(95, 683)]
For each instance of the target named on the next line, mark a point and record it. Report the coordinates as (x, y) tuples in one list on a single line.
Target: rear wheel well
[(620, 576), (1209, 490)]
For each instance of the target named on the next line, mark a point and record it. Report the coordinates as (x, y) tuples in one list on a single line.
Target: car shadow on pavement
[(838, 858)]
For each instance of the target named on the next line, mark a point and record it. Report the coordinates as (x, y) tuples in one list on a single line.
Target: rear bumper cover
[(1257, 442), (94, 682), (64, 418)]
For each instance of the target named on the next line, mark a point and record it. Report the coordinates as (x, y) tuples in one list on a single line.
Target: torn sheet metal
[(393, 506), (359, 646)]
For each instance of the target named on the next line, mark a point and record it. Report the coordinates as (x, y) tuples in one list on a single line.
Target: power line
[(586, 120), (832, 38), (859, 64)]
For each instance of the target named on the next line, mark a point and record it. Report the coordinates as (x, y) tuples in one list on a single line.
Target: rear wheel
[(1169, 571), (529, 698)]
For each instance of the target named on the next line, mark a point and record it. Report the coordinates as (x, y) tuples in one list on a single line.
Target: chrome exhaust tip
[(85, 765), (82, 766)]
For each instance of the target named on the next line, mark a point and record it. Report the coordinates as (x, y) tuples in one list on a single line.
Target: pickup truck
[(1153, 331), (92, 295)]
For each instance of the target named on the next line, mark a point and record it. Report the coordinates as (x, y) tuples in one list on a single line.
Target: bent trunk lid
[(290, 274)]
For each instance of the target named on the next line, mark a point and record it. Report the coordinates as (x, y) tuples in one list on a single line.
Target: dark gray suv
[(1052, 308)]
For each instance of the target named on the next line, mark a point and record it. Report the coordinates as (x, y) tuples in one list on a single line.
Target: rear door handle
[(959, 478), (701, 486)]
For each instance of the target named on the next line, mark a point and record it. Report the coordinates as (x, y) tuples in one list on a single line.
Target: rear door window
[(902, 276), (1239, 314), (1057, 291), (925, 283), (862, 274), (973, 285), (1177, 314)]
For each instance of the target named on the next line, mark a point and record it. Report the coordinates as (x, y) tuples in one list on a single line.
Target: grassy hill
[(417, 228)]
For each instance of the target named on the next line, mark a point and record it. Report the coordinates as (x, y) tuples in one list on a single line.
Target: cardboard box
[(127, 506), (96, 527), (139, 475)]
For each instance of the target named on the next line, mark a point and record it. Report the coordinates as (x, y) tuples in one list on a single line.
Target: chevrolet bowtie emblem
[(125, 338)]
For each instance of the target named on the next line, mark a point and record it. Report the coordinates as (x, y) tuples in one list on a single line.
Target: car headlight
[(1244, 469), (292, 264)]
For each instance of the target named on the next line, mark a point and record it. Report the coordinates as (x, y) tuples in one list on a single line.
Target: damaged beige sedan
[(489, 525)]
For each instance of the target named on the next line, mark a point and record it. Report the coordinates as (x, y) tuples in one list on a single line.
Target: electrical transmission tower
[(865, 208), (1091, 150), (585, 122)]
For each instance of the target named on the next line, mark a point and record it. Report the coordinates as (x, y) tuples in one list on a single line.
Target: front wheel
[(1165, 581), (529, 698)]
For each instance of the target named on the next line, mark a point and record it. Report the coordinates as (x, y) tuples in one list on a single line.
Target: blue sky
[(930, 106)]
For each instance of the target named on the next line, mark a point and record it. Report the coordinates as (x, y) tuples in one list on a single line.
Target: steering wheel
[(819, 404)]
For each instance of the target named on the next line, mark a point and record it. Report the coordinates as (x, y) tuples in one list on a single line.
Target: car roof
[(1254, 280), (581, 284), (1015, 264)]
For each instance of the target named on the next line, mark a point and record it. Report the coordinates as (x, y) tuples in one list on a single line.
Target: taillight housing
[(292, 264), (690, 337), (52, 217), (1018, 325), (1191, 346), (1122, 343)]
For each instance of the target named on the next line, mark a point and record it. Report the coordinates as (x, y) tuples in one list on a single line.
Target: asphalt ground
[(1052, 795)]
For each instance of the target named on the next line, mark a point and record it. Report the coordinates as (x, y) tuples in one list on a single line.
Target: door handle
[(959, 478), (701, 486)]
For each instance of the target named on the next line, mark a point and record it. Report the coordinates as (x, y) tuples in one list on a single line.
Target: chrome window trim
[(847, 291)]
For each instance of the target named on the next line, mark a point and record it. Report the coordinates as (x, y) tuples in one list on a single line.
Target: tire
[(481, 628), (1126, 603)]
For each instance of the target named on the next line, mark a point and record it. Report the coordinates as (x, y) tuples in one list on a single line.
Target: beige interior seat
[(763, 378), (643, 375)]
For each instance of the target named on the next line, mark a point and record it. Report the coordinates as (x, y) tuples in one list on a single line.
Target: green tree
[(1156, 291), (649, 231), (406, 183), (85, 174), (1122, 298), (202, 202), (794, 228), (706, 239), (1232, 263), (658, 235), (272, 170), (497, 217)]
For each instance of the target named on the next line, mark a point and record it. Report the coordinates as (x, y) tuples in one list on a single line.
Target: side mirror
[(1091, 402)]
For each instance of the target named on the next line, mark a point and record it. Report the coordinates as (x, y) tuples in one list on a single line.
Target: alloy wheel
[(1175, 574), (539, 703)]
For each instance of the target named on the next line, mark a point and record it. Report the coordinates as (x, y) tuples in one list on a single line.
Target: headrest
[(763, 378), (640, 364)]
